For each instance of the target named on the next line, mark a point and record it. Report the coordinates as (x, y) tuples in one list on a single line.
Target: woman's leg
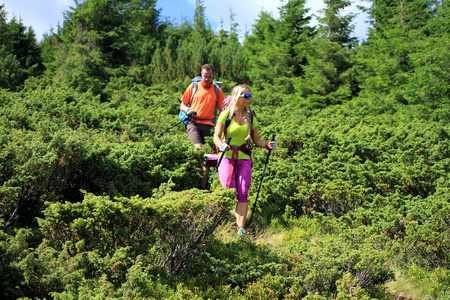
[(243, 181), (241, 214), (240, 180), (223, 170)]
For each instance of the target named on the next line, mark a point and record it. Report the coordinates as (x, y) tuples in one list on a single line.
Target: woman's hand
[(271, 145), (224, 147)]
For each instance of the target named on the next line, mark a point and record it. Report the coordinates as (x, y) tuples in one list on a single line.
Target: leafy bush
[(100, 244), (97, 176), (56, 142)]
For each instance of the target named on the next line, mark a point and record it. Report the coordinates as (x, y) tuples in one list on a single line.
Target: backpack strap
[(216, 89), (194, 89), (228, 121), (216, 109)]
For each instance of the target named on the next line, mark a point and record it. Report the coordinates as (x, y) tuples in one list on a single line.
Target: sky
[(42, 15)]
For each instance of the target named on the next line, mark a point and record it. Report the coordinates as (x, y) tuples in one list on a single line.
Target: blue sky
[(42, 15)]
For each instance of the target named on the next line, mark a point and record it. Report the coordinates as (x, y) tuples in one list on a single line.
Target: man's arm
[(219, 103), (186, 97), (183, 107), (187, 110)]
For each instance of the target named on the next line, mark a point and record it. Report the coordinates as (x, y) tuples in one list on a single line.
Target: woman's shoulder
[(224, 112), (223, 116)]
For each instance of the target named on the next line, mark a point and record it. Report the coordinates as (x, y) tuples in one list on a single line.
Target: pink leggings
[(240, 179)]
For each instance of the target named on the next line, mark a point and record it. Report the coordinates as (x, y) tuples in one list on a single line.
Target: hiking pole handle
[(227, 143), (272, 140), (189, 114)]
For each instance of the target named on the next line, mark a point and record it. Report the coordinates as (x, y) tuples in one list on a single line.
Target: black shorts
[(198, 131)]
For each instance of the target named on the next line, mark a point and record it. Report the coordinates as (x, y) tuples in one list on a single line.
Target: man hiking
[(201, 107)]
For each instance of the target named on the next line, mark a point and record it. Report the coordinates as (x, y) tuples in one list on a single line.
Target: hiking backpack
[(182, 115)]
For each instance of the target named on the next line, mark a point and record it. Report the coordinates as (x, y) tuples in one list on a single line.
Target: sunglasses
[(246, 96)]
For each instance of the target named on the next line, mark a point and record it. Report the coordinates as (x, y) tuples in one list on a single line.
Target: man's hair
[(208, 67)]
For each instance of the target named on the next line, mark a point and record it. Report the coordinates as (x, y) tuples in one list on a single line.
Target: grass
[(402, 288), (285, 240)]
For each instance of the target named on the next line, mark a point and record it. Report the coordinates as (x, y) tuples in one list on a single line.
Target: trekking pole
[(188, 116), (208, 186), (262, 177), (162, 132)]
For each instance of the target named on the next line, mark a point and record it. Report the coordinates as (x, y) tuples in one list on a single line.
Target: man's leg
[(196, 133), (205, 169), (205, 130), (205, 176)]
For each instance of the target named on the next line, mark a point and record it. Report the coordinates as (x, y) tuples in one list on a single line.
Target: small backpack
[(182, 115)]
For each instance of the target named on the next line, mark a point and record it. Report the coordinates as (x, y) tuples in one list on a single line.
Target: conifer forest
[(100, 187)]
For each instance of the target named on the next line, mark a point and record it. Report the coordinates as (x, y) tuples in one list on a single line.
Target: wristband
[(267, 145)]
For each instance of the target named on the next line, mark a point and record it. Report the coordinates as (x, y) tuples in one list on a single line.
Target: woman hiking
[(235, 170)]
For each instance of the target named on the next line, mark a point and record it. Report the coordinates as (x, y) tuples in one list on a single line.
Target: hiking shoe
[(241, 232)]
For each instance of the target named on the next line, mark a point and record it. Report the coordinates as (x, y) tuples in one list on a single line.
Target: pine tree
[(227, 54), (199, 18), (439, 25), (10, 71), (117, 38), (21, 56), (49, 49), (327, 80), (334, 26), (380, 12), (405, 58), (125, 32), (3, 24), (275, 49)]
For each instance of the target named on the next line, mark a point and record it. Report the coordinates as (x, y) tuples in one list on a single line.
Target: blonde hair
[(235, 94)]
